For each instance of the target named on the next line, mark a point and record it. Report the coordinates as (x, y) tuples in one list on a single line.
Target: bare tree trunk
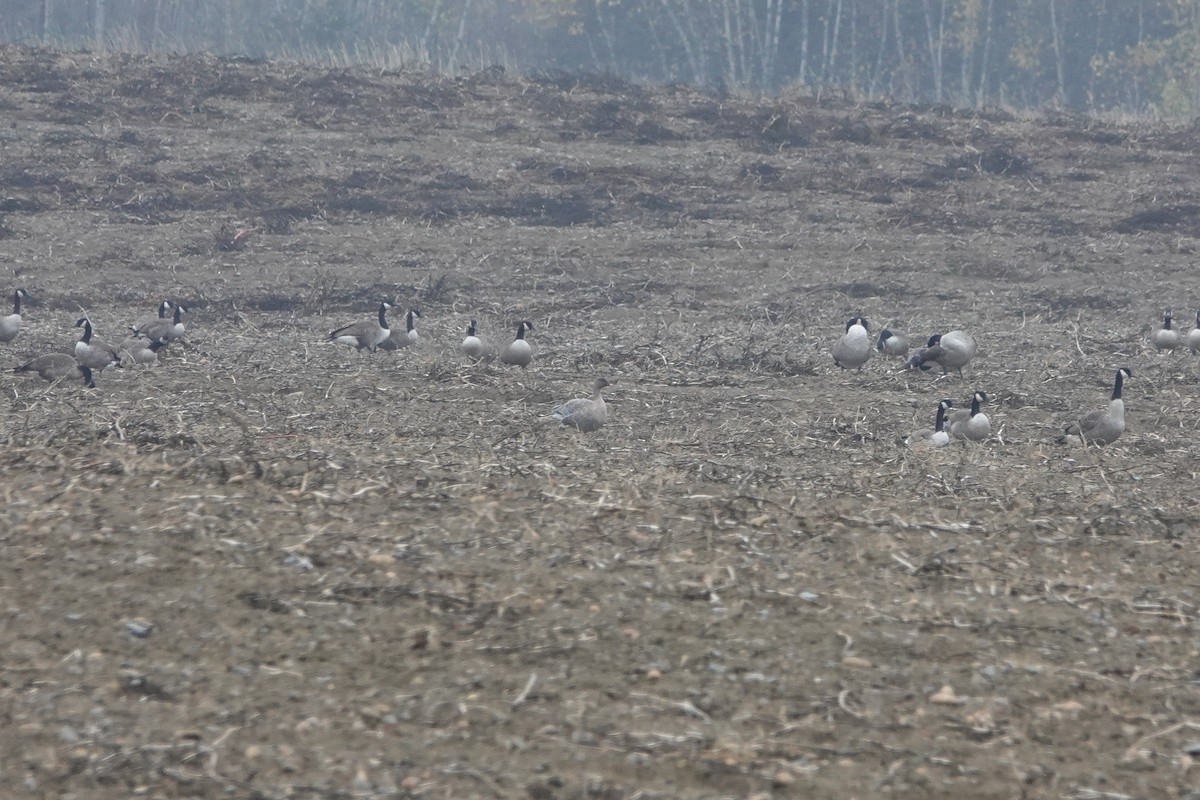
[(877, 71), (770, 50), (43, 20), (804, 41), (935, 47), (825, 43), (852, 73), (1058, 54), (731, 74), (452, 62), (695, 56), (981, 90), (98, 23), (837, 32), (900, 48)]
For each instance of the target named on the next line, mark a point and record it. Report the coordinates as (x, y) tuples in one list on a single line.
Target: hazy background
[(1129, 56)]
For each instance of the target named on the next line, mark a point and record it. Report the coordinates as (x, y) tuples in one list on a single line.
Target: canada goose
[(168, 330), (1193, 338), (854, 348), (972, 424), (585, 414), (368, 333), (94, 353), (936, 436), (140, 351), (472, 345), (164, 308), (10, 326), (952, 350), (892, 343), (398, 340), (1166, 337), (57, 366), (518, 351), (1104, 425)]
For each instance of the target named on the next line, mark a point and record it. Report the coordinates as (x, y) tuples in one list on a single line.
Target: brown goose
[(1104, 425), (10, 326), (585, 414), (518, 351), (368, 334), (55, 367), (935, 436), (398, 340), (854, 348), (167, 329), (472, 345), (953, 350), (94, 353), (1166, 337)]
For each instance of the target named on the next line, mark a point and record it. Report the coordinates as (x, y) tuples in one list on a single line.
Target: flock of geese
[(150, 335), (955, 349), (950, 351), (586, 414)]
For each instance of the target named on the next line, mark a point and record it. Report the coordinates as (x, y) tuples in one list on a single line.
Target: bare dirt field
[(272, 567)]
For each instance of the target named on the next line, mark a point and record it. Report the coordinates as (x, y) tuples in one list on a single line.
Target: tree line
[(1133, 56)]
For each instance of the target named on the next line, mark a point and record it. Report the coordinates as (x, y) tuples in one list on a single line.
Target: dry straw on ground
[(273, 567)]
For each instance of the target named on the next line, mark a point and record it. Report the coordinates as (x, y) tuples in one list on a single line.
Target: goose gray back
[(140, 351), (167, 329), (164, 308), (1104, 425), (953, 350), (399, 339), (585, 414), (853, 349), (55, 367), (92, 352), (971, 424), (935, 436), (1166, 337), (10, 325), (472, 345), (365, 335), (892, 343), (518, 352)]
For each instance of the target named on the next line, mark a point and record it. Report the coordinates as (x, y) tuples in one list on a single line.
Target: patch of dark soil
[(282, 303), (1000, 159), (863, 289), (763, 173), (911, 126), (569, 208), (856, 131), (1183, 218), (282, 219), (1060, 305)]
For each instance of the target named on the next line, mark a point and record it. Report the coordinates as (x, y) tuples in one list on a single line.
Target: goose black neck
[(87, 332), (1167, 322), (17, 303), (940, 423), (383, 315), (974, 405), (410, 321), (178, 311), (471, 328), (1116, 395), (521, 331)]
